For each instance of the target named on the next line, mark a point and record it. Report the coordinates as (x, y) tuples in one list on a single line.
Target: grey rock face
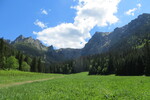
[(69, 53), (97, 44), (18, 39), (29, 41)]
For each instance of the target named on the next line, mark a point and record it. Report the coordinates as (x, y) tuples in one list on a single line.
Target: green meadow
[(79, 86)]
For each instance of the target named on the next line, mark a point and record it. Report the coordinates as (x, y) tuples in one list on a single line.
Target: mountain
[(97, 44), (69, 53), (7, 41), (30, 42), (34, 47), (132, 35)]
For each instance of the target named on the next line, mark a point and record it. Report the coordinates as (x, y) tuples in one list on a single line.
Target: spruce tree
[(110, 65), (147, 59), (21, 58), (39, 65), (34, 65), (2, 57)]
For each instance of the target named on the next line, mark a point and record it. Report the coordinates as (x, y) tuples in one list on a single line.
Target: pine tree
[(21, 59), (110, 65), (147, 59), (2, 57), (34, 65), (39, 65)]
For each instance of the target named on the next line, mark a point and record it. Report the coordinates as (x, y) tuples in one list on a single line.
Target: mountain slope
[(34, 47), (130, 35), (97, 44), (30, 42)]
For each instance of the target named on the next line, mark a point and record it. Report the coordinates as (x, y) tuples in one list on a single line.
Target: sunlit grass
[(82, 87), (11, 76)]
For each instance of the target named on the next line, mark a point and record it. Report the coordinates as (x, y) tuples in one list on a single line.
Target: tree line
[(133, 61), (11, 58), (129, 61)]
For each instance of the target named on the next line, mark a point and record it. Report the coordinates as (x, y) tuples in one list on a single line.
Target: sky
[(66, 23)]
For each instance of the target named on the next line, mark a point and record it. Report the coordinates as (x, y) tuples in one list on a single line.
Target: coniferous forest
[(10, 58), (131, 62)]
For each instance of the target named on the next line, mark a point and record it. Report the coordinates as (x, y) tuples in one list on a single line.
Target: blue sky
[(62, 23)]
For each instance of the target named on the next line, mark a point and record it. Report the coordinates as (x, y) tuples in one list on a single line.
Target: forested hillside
[(10, 58)]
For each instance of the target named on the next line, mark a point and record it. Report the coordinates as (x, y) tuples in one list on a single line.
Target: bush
[(11, 63), (25, 67)]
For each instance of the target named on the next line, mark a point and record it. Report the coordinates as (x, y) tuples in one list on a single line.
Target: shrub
[(11, 63), (25, 67)]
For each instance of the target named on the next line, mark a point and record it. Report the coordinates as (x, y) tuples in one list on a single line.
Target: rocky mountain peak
[(18, 39), (30, 42), (50, 48)]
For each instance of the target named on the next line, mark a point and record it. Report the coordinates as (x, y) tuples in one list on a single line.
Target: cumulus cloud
[(62, 36), (40, 24), (89, 13), (132, 11), (43, 11)]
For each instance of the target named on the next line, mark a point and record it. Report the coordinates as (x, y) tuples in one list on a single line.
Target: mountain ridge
[(99, 43)]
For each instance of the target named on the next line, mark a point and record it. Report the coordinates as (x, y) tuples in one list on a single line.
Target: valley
[(74, 50)]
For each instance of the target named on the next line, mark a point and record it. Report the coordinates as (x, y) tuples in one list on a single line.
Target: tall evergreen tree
[(2, 57), (147, 59), (39, 65), (21, 59), (34, 65), (110, 65)]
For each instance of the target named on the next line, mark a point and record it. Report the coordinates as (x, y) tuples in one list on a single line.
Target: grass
[(11, 76), (81, 87)]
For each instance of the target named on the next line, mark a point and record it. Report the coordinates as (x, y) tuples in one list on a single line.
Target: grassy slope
[(82, 87)]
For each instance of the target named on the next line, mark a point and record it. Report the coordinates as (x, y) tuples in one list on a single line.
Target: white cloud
[(139, 5), (40, 24), (43, 11), (62, 36), (90, 13), (132, 11)]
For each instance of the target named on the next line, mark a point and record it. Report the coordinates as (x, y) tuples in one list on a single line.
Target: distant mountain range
[(34, 47), (131, 35)]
